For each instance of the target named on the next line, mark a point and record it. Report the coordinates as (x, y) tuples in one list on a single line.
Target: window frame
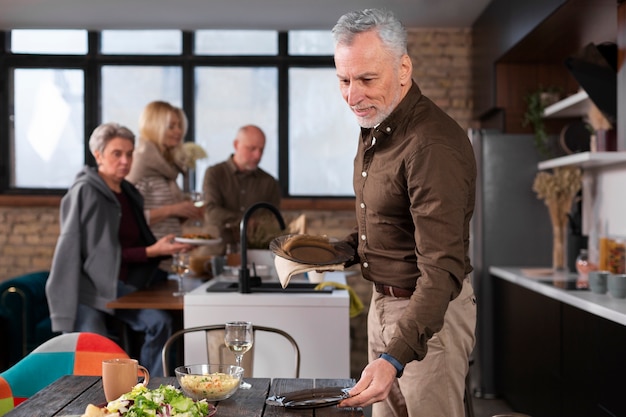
[(91, 64)]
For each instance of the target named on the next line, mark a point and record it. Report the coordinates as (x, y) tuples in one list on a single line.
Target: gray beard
[(369, 123)]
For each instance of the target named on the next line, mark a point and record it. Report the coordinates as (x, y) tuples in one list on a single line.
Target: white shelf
[(576, 105), (585, 160)]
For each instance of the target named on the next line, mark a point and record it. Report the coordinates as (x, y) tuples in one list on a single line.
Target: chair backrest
[(217, 351), (66, 354), (24, 310)]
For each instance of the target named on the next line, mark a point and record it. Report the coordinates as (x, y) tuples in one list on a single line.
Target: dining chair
[(79, 353), (216, 350)]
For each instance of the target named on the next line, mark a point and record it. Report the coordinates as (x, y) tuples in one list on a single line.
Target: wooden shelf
[(585, 160), (576, 105)]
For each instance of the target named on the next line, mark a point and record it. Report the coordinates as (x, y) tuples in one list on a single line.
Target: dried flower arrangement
[(190, 153), (558, 190)]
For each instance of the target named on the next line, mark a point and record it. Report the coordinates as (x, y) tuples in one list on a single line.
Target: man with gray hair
[(414, 182)]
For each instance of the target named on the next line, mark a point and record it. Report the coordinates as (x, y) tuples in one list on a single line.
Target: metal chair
[(215, 341)]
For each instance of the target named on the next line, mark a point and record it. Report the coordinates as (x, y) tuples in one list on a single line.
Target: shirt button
[(363, 205), (362, 237), (388, 129), (364, 174), (365, 264)]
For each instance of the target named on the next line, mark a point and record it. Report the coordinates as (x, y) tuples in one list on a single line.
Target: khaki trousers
[(433, 387)]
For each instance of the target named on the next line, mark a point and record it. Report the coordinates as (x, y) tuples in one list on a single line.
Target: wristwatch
[(396, 364)]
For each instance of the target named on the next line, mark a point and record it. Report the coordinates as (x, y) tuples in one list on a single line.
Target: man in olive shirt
[(232, 186), (414, 182)]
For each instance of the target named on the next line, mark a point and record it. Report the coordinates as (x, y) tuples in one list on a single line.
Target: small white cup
[(598, 281), (617, 285), (316, 277)]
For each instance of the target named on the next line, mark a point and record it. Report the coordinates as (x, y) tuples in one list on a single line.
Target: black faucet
[(244, 272)]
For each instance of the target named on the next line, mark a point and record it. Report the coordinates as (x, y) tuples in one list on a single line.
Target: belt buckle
[(391, 291)]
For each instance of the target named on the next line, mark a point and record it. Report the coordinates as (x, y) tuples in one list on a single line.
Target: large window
[(62, 84), (48, 127)]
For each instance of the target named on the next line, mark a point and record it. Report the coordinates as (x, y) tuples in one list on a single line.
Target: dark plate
[(304, 253), (309, 398)]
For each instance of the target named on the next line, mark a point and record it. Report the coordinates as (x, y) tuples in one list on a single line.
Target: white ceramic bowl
[(213, 382)]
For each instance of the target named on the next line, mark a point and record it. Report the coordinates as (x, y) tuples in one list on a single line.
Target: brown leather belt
[(393, 291)]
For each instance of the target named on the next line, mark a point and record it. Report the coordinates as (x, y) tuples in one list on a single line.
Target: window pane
[(127, 89), (323, 135), (236, 42), (311, 42), (144, 42), (228, 98), (48, 127), (70, 42)]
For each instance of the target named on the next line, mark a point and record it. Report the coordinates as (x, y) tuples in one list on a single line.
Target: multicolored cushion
[(67, 354)]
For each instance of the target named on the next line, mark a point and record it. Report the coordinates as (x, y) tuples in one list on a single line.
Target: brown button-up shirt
[(230, 192), (414, 182)]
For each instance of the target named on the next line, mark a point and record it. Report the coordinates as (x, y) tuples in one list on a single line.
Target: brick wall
[(442, 70), (27, 239)]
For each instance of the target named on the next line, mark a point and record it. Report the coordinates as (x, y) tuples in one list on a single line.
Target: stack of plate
[(311, 250)]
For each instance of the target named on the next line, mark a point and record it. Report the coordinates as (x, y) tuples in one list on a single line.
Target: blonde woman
[(158, 161)]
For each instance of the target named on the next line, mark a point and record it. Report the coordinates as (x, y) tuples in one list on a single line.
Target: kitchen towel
[(287, 268)]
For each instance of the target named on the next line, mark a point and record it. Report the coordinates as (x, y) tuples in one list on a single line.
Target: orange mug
[(119, 376)]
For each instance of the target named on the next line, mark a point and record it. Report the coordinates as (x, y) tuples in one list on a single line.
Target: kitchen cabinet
[(558, 352), (521, 45), (319, 322)]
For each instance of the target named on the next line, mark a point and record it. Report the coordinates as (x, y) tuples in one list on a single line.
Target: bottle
[(583, 266)]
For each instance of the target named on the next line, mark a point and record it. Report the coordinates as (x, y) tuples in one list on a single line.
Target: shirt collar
[(390, 124), (235, 171)]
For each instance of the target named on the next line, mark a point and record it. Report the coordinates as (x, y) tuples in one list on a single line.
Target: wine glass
[(238, 337), (180, 266), (197, 198)]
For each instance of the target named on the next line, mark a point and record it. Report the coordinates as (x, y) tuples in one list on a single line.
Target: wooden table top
[(70, 395), (158, 296)]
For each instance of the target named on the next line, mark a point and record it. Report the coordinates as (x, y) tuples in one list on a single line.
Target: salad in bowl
[(164, 401)]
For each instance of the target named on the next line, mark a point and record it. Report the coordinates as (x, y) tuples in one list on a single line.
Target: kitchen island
[(319, 322), (559, 351)]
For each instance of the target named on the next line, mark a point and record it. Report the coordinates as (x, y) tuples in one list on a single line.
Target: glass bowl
[(213, 382)]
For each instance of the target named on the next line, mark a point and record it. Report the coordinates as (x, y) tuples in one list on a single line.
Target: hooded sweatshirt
[(86, 261)]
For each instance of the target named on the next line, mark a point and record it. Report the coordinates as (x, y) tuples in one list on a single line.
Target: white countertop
[(601, 305)]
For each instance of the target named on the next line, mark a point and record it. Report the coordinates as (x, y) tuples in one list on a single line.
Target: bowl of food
[(211, 382)]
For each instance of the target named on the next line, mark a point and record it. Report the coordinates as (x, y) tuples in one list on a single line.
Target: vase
[(559, 246)]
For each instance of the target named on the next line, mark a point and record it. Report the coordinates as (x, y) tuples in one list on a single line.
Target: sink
[(270, 287)]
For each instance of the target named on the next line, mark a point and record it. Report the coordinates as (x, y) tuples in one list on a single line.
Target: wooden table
[(70, 395), (158, 296)]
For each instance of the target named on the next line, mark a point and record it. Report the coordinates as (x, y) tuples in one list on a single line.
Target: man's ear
[(406, 69)]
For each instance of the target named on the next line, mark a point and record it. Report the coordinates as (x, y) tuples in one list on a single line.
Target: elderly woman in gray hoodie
[(106, 249)]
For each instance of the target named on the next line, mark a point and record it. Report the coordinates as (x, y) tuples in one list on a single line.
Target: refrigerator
[(510, 227)]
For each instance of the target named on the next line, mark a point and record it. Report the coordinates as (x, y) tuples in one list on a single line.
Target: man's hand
[(374, 385)]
